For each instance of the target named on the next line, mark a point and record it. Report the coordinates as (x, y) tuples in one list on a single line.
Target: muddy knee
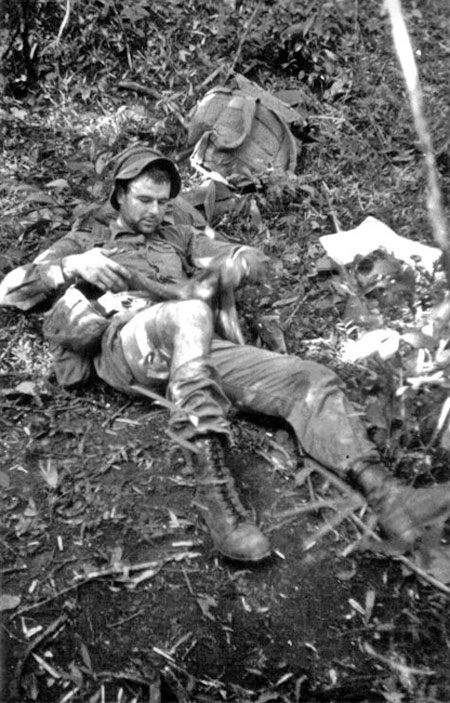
[(194, 314)]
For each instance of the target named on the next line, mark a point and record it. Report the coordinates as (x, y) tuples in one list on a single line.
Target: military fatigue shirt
[(170, 255)]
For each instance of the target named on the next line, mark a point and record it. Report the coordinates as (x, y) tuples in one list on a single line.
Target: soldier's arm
[(27, 286)]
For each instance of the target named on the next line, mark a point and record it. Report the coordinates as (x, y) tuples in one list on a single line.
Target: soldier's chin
[(148, 226)]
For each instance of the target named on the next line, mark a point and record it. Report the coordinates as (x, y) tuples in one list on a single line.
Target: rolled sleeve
[(29, 285)]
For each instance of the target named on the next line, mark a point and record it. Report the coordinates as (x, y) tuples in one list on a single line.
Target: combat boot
[(232, 529), (404, 513)]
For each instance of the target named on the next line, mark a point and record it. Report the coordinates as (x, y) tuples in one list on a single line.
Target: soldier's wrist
[(67, 270)]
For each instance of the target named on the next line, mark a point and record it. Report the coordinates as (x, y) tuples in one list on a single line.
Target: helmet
[(134, 160)]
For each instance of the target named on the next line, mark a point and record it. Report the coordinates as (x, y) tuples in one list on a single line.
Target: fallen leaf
[(84, 652), (369, 604), (49, 473), (268, 696), (39, 197), (31, 509), (174, 521), (8, 602), (58, 184), (206, 602)]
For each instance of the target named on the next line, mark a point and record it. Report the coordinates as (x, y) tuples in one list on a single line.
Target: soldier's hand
[(201, 287), (247, 264), (97, 268)]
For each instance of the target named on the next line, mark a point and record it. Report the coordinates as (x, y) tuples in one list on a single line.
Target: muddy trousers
[(304, 393)]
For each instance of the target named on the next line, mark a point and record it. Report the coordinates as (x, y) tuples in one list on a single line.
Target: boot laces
[(223, 481)]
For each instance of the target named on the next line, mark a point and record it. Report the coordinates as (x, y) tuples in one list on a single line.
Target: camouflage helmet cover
[(134, 160)]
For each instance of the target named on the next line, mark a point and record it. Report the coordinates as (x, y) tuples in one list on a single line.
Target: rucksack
[(242, 133)]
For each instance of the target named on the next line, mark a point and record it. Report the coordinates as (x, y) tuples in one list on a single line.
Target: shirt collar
[(117, 230)]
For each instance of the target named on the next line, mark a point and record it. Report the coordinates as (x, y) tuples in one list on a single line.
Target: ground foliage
[(109, 590)]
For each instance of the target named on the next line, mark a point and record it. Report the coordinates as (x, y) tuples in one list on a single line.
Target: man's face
[(144, 204)]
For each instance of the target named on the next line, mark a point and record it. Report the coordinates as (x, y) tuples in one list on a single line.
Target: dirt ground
[(124, 599), (111, 591)]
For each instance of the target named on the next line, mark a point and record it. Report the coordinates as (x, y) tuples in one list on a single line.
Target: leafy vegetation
[(85, 474)]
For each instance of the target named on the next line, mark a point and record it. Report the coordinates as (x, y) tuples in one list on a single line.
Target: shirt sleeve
[(205, 250), (29, 285)]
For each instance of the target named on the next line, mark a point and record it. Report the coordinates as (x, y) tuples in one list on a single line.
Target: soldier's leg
[(168, 345), (310, 398), (306, 394)]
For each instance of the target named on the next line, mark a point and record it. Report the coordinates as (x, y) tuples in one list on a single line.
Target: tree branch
[(405, 54)]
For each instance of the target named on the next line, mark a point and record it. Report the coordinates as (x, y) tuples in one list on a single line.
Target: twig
[(188, 583), (337, 482), (138, 88), (122, 621), (405, 53), (50, 599), (12, 569), (45, 665), (132, 676), (143, 566), (288, 516), (396, 666), (65, 21), (62, 27), (119, 411), (51, 629), (117, 569), (111, 571), (355, 502), (242, 41), (336, 223), (333, 523), (211, 76), (307, 508)]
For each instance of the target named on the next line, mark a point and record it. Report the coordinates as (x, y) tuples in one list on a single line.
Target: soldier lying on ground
[(170, 346)]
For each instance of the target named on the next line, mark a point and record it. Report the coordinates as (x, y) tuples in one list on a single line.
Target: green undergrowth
[(64, 116)]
